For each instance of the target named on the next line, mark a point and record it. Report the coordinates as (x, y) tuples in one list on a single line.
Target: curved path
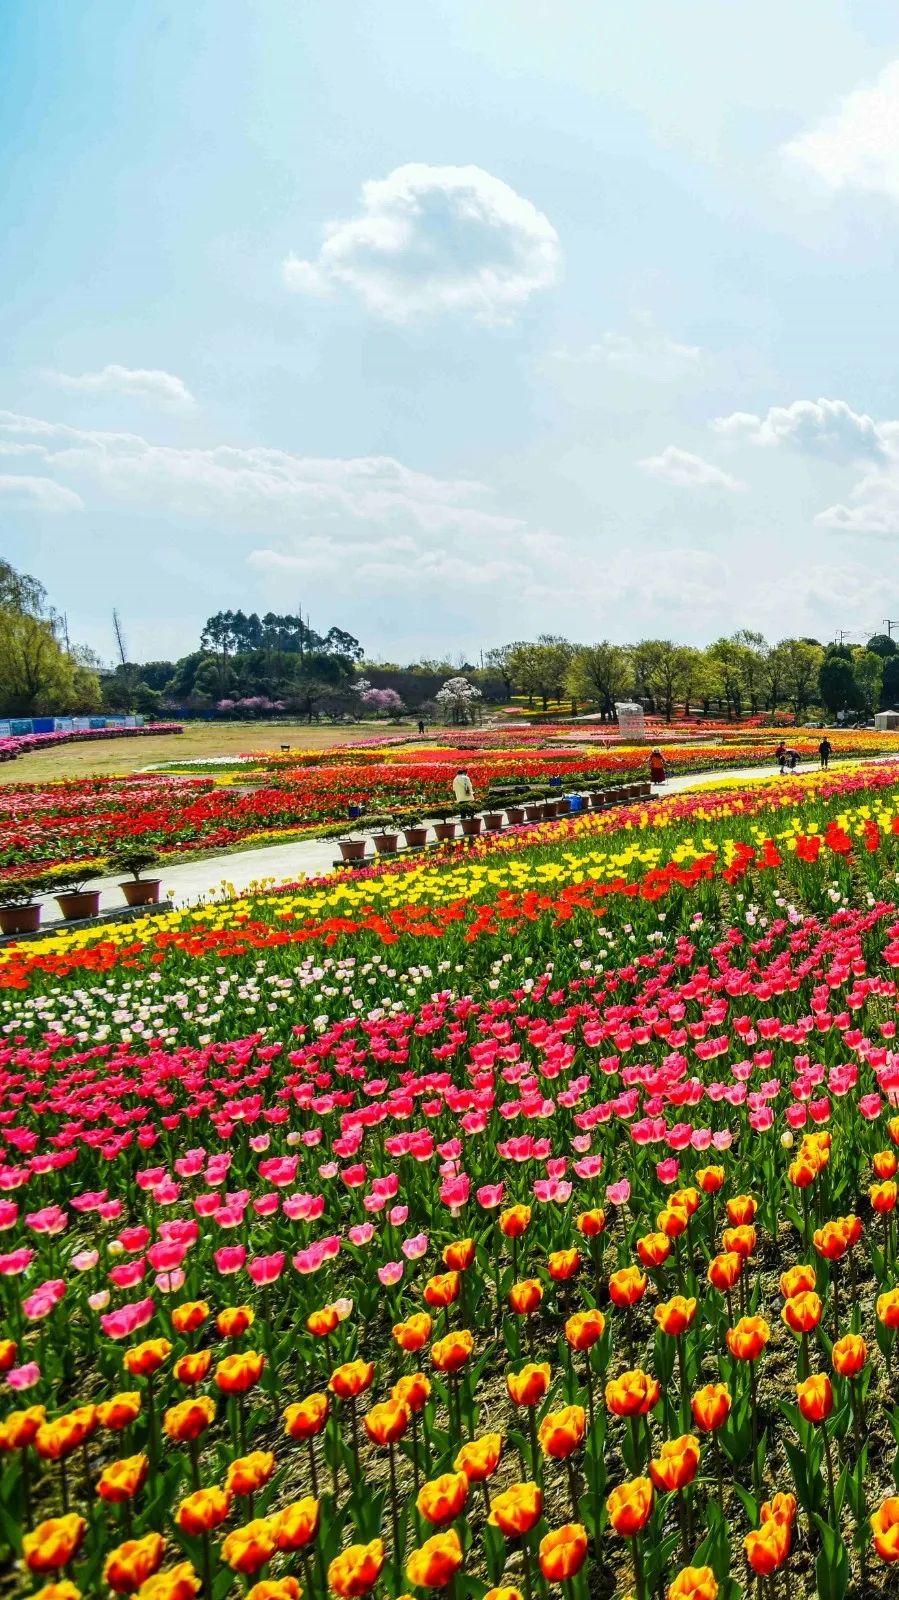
[(222, 876)]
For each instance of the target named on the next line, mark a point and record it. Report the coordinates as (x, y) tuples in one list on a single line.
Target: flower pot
[(416, 838), (352, 849), (445, 831), (143, 892), (386, 843), (20, 919), (515, 816), (79, 905), (471, 826), (493, 821), (533, 813)]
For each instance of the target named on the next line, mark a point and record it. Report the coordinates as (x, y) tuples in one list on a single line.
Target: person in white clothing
[(463, 793)]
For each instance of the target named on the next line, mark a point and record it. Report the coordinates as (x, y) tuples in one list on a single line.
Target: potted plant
[(352, 849), (135, 859), (20, 910), (493, 821), (471, 825), (416, 835), (75, 901)]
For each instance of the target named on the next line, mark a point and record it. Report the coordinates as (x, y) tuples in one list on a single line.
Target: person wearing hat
[(657, 772)]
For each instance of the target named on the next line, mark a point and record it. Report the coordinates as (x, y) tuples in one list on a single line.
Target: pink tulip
[(24, 1377)]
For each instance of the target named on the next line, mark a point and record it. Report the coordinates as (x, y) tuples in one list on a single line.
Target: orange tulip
[(653, 1249), (352, 1379), (885, 1528), (240, 1372), (627, 1286), (675, 1316), (120, 1411), (563, 1552), (885, 1164), (132, 1563), (725, 1271), (803, 1312), (672, 1221), (322, 1323), (189, 1316), (442, 1289), (893, 1129), (629, 1506), (54, 1543), (413, 1334), (19, 1428), (435, 1564), (234, 1321), (677, 1464), (888, 1308), (849, 1355), (815, 1396), (479, 1458), (248, 1474), (194, 1367), (296, 1525), (748, 1339), (63, 1590), (275, 1589), (503, 1592), (562, 1432), (767, 1547), (121, 1480), (694, 1583), (452, 1351), (412, 1391), (742, 1241), (56, 1440), (883, 1196), (203, 1510), (515, 1221), (142, 1360), (250, 1547), (528, 1387), (780, 1508), (517, 1510), (356, 1570), (386, 1423), (189, 1418), (563, 1264), (525, 1297), (590, 1224), (711, 1406), (459, 1255), (710, 1179), (633, 1394), (797, 1280), (176, 1583), (687, 1200), (443, 1498), (741, 1209), (831, 1241), (584, 1328), (803, 1171), (306, 1418)]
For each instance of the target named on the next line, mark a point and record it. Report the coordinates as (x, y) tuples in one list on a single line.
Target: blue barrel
[(575, 801)]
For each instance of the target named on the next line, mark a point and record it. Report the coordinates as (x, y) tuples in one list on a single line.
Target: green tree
[(600, 672), (867, 669), (883, 645), (801, 665), (836, 684), (889, 689)]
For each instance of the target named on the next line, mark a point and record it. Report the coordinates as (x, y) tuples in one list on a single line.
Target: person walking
[(780, 755), (421, 726), (792, 758), (657, 767), (824, 750), (463, 792)]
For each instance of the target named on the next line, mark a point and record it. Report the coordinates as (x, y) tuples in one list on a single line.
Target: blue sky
[(452, 322)]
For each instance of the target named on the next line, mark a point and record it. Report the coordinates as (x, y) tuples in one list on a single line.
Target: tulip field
[(514, 1222), (269, 798)]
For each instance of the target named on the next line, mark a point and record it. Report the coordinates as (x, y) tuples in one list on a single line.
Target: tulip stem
[(684, 1392), (572, 1489), (532, 1430), (313, 1473), (753, 1401), (829, 1459), (415, 1471), (193, 1446), (639, 1584), (207, 1567), (394, 1513)]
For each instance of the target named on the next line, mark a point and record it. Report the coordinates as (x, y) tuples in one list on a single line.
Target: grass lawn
[(199, 739)]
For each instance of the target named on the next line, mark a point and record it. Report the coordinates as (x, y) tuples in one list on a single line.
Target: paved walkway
[(221, 876)]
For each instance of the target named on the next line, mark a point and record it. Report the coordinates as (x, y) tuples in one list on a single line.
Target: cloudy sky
[(452, 321)]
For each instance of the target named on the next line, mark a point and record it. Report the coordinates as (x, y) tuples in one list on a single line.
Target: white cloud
[(137, 383), (873, 506), (434, 239), (23, 493), (820, 427), (688, 471), (857, 147), (648, 353)]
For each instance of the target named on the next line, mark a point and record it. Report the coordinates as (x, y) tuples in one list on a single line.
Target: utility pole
[(890, 623)]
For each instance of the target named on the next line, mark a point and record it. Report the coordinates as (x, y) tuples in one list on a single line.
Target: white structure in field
[(631, 721), (885, 720)]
